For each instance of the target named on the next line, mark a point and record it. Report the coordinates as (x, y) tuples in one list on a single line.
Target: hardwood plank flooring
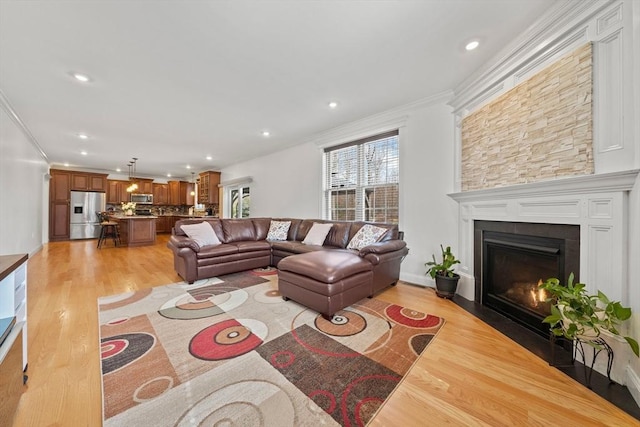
[(470, 375)]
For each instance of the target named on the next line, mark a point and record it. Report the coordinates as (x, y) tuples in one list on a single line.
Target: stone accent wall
[(539, 130)]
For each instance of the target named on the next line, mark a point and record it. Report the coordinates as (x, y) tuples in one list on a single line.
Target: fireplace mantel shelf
[(597, 183)]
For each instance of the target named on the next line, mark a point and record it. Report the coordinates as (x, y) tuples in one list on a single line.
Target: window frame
[(361, 210)]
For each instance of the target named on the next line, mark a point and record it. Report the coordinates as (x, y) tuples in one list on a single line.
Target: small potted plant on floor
[(442, 272), (577, 315)]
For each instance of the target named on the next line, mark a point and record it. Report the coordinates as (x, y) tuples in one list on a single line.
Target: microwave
[(142, 199)]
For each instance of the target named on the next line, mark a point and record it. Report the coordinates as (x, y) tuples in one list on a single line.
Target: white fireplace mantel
[(597, 203), (606, 182)]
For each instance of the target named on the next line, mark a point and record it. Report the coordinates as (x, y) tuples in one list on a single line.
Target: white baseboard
[(466, 285), (417, 279)]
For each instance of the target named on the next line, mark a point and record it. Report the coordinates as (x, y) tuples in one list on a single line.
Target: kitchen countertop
[(120, 217)]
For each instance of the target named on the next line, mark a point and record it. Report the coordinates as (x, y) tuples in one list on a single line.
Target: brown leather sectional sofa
[(244, 247)]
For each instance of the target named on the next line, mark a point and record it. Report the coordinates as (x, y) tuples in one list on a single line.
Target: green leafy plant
[(577, 315), (443, 268)]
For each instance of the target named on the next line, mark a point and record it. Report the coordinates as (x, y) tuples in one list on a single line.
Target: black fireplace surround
[(512, 258)]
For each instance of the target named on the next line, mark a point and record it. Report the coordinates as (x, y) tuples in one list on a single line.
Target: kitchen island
[(136, 230)]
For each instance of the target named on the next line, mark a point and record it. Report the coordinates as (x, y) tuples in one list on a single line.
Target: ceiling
[(173, 82)]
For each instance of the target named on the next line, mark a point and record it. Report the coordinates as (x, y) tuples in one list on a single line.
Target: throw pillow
[(367, 235), (278, 230), (202, 233), (317, 234)]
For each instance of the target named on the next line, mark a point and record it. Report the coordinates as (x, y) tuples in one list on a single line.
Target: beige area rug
[(231, 351)]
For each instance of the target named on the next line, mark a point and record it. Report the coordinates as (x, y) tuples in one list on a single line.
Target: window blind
[(362, 179)]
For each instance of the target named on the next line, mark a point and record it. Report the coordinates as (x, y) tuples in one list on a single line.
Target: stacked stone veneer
[(539, 130)]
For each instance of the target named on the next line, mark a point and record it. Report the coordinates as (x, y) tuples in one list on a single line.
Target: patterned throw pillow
[(367, 235), (202, 233), (278, 230)]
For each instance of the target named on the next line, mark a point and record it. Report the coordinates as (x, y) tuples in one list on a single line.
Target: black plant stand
[(597, 346)]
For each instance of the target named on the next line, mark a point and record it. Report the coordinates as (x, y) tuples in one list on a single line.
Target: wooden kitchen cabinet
[(208, 187), (59, 202), (145, 186), (86, 181), (117, 191), (160, 194), (137, 231), (164, 224), (174, 192), (186, 198)]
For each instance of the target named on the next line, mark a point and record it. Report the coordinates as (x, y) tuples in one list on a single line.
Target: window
[(362, 180), (240, 202)]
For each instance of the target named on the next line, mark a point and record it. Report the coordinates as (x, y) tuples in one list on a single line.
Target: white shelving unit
[(13, 295)]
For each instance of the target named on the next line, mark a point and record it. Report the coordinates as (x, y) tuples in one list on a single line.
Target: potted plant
[(577, 315), (442, 272)]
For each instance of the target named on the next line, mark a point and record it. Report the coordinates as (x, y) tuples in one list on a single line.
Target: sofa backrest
[(391, 234), (261, 226), (215, 224), (234, 230), (238, 230)]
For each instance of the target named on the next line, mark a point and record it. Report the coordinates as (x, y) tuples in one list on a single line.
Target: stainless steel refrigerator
[(85, 223)]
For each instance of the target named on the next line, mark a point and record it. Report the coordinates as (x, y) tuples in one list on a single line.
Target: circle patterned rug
[(231, 351)]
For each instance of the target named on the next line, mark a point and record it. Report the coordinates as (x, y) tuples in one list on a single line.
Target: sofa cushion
[(278, 230), (262, 227), (338, 235), (326, 267), (216, 251), (367, 235), (317, 234), (202, 233), (250, 246), (238, 230)]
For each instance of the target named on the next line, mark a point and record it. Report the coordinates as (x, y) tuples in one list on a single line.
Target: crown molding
[(539, 38), (6, 106), (394, 118)]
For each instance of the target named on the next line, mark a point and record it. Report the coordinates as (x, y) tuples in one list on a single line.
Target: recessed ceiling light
[(118, 170), (209, 158), (472, 45), (188, 166), (168, 175), (66, 165), (265, 133), (333, 104), (83, 136), (84, 153), (81, 77)]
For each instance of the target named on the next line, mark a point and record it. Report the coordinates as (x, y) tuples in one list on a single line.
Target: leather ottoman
[(325, 281)]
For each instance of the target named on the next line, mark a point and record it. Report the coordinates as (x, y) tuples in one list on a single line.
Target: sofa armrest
[(383, 247), (183, 242), (383, 252)]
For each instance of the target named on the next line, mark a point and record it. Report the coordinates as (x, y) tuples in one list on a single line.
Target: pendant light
[(132, 174)]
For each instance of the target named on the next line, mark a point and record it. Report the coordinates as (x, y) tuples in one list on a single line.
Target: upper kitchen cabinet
[(145, 186), (208, 187), (86, 181), (160, 194), (174, 192), (117, 191), (187, 193), (180, 193)]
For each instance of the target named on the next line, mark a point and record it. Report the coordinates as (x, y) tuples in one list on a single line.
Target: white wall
[(22, 190), (289, 183), (284, 184)]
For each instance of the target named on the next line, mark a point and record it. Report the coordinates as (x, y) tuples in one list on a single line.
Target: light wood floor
[(470, 375)]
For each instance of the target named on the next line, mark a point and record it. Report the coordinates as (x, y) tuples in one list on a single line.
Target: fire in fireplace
[(512, 259)]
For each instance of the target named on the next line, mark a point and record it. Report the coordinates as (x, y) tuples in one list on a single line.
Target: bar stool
[(108, 229)]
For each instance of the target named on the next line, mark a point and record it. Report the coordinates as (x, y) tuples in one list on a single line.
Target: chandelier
[(132, 173)]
